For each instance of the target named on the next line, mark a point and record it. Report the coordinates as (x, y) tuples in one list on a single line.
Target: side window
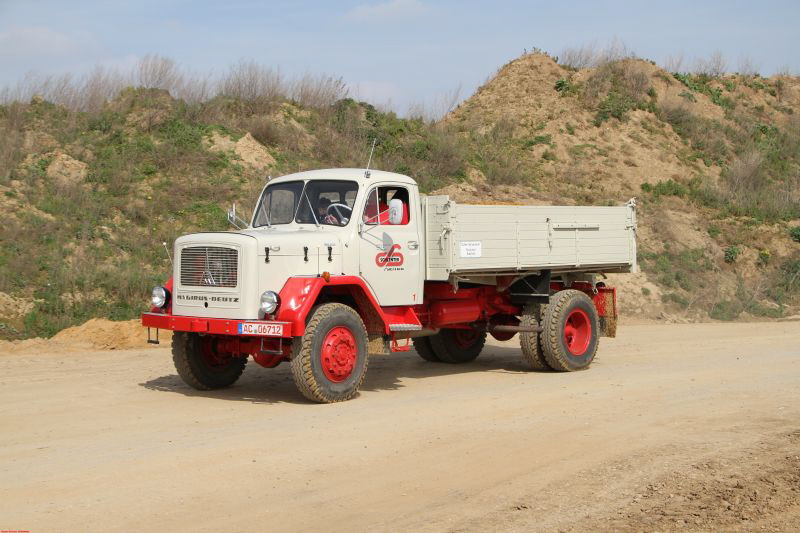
[(371, 209), (400, 193), (376, 210)]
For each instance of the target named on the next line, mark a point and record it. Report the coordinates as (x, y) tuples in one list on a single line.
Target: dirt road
[(674, 426)]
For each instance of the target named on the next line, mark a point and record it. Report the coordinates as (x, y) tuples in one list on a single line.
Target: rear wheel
[(570, 335), (423, 347), (201, 365), (329, 361), (457, 345), (530, 341)]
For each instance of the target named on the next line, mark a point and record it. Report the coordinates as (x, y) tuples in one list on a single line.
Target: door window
[(376, 210)]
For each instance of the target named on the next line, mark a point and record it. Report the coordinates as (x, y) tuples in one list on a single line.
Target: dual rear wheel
[(569, 336), (452, 346), (568, 341)]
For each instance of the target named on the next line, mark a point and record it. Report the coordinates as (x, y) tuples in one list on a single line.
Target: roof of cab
[(353, 174)]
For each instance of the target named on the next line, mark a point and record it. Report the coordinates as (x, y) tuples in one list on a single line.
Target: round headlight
[(269, 302), (160, 296)]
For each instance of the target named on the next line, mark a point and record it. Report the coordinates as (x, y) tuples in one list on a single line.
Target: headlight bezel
[(159, 297), (269, 302)]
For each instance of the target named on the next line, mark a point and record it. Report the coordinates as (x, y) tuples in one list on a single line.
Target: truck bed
[(494, 239)]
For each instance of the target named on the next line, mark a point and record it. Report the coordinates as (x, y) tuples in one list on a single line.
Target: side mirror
[(396, 211), (235, 220)]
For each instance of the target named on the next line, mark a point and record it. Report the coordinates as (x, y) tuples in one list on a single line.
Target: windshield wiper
[(310, 207), (266, 212)]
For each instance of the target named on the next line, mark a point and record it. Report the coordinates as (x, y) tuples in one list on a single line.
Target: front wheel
[(200, 365), (330, 360), (570, 336)]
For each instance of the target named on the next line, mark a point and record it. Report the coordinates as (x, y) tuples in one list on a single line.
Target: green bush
[(699, 84), (794, 233), (726, 310), (566, 87), (539, 139), (677, 269), (731, 254), (665, 188), (674, 297), (616, 88)]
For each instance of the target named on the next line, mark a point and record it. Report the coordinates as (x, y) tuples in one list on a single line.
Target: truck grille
[(208, 266)]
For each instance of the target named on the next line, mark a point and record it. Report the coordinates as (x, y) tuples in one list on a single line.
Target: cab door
[(391, 257)]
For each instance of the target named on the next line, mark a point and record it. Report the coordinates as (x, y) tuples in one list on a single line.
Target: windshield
[(324, 202), (278, 204)]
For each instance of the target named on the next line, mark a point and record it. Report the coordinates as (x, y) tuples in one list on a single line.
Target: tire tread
[(302, 349), (553, 353), (530, 341)]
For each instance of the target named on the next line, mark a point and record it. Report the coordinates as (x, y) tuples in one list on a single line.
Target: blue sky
[(395, 52)]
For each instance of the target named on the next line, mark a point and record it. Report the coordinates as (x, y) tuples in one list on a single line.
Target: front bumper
[(217, 326)]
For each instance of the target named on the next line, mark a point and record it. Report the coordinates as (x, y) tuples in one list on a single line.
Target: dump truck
[(338, 265)]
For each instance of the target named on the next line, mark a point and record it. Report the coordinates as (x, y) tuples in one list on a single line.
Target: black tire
[(329, 364), (530, 341), (571, 331), (198, 365), (457, 346), (424, 349)]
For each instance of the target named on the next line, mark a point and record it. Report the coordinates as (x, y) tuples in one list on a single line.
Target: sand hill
[(90, 192)]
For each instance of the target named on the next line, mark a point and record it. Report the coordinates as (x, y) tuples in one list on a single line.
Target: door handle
[(413, 245)]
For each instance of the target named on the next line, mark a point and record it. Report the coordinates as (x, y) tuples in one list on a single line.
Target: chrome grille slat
[(209, 266)]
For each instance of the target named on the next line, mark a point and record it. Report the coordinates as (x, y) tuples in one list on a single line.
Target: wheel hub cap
[(465, 337), (577, 332), (339, 354)]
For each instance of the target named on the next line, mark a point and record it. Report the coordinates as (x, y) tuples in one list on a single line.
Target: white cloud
[(387, 11), (36, 42)]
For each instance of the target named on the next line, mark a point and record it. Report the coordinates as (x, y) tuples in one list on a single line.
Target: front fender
[(299, 294)]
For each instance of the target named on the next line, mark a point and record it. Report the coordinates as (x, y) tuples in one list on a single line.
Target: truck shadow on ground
[(388, 372)]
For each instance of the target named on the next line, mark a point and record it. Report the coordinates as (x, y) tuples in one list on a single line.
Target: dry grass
[(747, 67), (627, 77), (246, 81), (592, 55), (715, 66)]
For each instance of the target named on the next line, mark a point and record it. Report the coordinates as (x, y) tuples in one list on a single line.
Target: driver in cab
[(323, 214)]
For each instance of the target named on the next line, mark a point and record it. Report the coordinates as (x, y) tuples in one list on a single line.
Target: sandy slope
[(674, 426)]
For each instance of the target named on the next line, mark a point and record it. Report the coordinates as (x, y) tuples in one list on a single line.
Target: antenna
[(369, 161)]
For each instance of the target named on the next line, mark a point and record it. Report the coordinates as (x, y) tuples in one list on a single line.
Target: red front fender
[(299, 295)]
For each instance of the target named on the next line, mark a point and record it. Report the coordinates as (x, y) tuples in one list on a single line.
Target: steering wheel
[(338, 209)]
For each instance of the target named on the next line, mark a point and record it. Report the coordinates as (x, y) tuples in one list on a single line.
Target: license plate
[(260, 328)]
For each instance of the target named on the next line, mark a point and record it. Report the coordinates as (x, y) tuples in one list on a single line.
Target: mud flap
[(606, 303)]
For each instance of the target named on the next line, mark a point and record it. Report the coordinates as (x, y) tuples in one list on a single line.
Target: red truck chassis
[(483, 307)]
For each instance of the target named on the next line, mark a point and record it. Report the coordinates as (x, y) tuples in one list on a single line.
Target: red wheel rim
[(465, 337), (577, 332), (210, 354), (339, 354)]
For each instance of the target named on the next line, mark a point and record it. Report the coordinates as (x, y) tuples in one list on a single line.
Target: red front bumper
[(218, 326)]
